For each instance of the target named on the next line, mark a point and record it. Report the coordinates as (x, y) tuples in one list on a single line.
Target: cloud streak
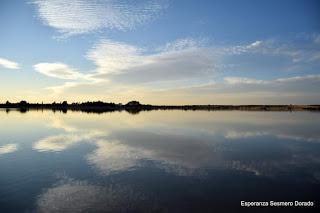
[(240, 80), (8, 64)]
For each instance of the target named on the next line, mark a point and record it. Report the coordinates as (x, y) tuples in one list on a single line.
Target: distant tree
[(23, 103), (133, 103), (23, 106)]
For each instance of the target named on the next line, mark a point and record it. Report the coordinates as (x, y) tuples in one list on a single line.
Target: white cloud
[(179, 60), (254, 44), (296, 51), (240, 90), (8, 148), (114, 57), (241, 49), (58, 70), (124, 64), (182, 44), (9, 64), (183, 65), (81, 16)]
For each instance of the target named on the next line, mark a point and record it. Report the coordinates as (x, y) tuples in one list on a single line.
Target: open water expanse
[(157, 161)]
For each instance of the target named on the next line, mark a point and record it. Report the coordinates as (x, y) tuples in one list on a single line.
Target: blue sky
[(161, 51)]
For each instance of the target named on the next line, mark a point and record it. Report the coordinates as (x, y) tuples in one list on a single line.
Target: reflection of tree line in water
[(134, 107)]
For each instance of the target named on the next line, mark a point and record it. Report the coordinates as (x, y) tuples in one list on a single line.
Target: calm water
[(159, 161)]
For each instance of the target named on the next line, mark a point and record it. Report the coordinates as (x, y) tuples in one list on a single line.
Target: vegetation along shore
[(135, 107)]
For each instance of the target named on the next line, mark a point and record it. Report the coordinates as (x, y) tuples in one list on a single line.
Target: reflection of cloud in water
[(61, 142), (299, 138), (60, 124), (251, 134), (188, 149), (56, 143), (238, 135), (114, 156), (264, 168), (187, 156), (80, 196), (8, 148), (177, 155)]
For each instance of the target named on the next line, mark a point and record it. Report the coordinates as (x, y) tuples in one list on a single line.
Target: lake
[(157, 161)]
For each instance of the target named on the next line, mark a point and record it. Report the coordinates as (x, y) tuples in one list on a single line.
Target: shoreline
[(136, 107)]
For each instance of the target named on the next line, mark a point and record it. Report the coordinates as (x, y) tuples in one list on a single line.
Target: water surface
[(157, 161)]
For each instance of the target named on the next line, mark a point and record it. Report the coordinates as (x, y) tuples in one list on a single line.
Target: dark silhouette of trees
[(134, 107)]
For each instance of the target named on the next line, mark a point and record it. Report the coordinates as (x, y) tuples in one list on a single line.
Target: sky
[(160, 51)]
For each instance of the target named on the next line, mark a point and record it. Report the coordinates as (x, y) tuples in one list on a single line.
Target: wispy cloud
[(297, 51), (241, 49), (8, 64), (188, 67), (125, 64), (236, 90), (178, 60), (112, 57), (188, 59), (62, 71), (314, 78), (58, 70), (81, 16), (297, 89), (288, 80)]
